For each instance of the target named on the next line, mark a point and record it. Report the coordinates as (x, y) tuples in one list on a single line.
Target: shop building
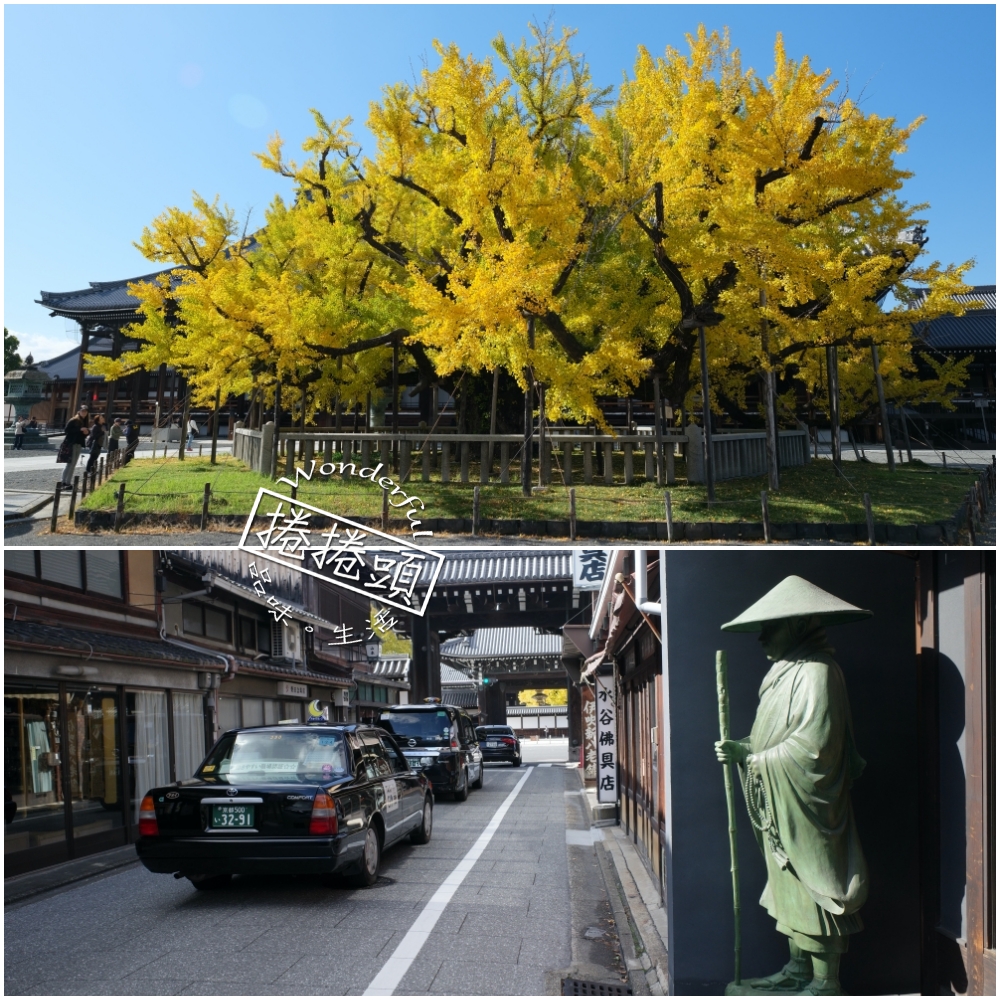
[(97, 705), (122, 667)]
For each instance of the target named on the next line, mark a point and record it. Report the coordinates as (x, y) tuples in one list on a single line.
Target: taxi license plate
[(232, 817)]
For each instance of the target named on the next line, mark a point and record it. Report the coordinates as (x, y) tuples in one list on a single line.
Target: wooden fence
[(570, 455)]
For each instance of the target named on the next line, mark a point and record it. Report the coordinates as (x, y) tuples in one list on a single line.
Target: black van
[(439, 740)]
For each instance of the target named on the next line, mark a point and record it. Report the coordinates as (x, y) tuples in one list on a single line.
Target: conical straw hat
[(794, 597)]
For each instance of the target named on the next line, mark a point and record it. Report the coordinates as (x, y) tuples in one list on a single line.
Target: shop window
[(189, 733), (230, 716), (253, 712), (33, 770), (272, 712), (148, 744), (94, 766), (293, 710)]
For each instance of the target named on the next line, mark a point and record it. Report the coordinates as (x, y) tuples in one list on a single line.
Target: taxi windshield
[(420, 725), (278, 757)]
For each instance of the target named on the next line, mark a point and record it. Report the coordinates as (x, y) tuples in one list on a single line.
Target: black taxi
[(287, 800), (439, 740)]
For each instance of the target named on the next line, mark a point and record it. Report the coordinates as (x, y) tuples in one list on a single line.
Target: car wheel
[(462, 790), (478, 783), (516, 762), (422, 834), (371, 856), (209, 881)]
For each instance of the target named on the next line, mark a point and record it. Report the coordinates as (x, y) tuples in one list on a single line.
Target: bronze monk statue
[(797, 767)]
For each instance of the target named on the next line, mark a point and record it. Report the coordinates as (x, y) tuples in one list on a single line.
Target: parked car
[(499, 744), (441, 741), (287, 799)]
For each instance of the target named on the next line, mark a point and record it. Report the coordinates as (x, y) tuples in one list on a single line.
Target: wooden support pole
[(661, 469), (215, 424), (706, 411), (883, 411), (72, 495), (385, 510), (833, 389), (475, 511), (765, 515), (572, 514), (56, 497), (204, 505), (670, 516), (869, 519), (276, 443), (184, 427), (120, 508)]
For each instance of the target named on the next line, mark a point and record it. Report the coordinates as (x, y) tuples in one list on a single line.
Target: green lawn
[(914, 494)]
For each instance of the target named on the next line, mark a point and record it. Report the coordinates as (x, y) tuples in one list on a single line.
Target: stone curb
[(644, 907), (641, 909)]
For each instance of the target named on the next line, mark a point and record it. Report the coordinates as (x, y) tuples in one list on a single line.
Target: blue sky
[(113, 113)]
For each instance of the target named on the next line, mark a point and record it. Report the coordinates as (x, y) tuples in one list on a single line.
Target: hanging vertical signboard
[(589, 706), (607, 750)]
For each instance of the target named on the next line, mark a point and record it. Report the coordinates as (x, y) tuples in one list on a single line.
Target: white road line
[(407, 950)]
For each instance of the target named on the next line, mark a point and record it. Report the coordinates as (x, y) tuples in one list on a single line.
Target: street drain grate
[(585, 988)]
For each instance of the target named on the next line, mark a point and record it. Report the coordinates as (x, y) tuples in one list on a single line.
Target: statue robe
[(801, 767)]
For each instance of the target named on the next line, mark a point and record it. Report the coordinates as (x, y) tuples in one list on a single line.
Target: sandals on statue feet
[(823, 988), (789, 980)]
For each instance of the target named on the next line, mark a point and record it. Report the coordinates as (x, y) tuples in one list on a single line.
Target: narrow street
[(532, 908)]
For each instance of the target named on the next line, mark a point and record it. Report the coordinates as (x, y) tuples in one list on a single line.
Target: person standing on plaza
[(96, 440), (192, 432), (73, 441), (114, 435), (18, 434), (131, 440)]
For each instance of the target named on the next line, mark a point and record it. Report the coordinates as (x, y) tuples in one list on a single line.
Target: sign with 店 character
[(607, 748)]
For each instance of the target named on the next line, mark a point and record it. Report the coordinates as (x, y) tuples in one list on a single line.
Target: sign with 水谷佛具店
[(607, 735)]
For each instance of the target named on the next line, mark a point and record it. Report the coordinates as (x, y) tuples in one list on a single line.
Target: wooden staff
[(734, 862)]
